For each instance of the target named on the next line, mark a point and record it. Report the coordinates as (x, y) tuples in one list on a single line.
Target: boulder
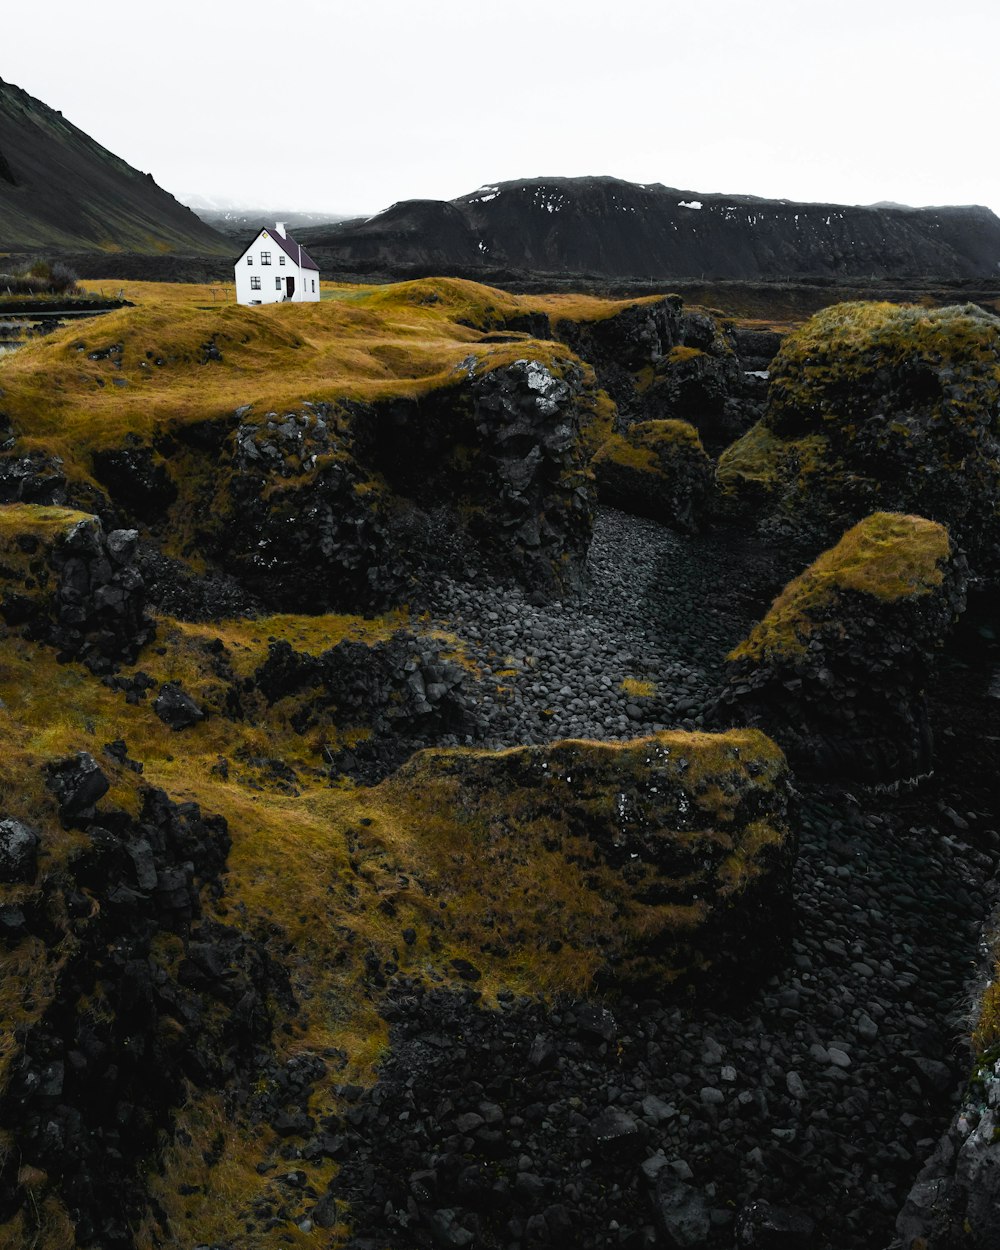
[(879, 407), (176, 708), (836, 670), (35, 478), (663, 860), (13, 923), (404, 691), (302, 524), (658, 361), (700, 380), (497, 463), (681, 1213), (626, 346), (78, 783), (18, 853), (762, 1226), (657, 469), (615, 1133)]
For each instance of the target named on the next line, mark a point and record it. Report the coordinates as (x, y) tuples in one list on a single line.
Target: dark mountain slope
[(424, 232), (611, 228), (61, 189)]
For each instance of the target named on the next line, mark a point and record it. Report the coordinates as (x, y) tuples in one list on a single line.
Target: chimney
[(280, 227)]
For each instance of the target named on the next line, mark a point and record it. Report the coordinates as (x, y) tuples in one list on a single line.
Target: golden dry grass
[(369, 343), (638, 687)]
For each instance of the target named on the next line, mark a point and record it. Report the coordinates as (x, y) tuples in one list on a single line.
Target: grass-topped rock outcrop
[(657, 469), (403, 692), (664, 860), (874, 406), (324, 455), (836, 670), (64, 581)]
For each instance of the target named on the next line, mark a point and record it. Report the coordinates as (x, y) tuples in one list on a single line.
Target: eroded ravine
[(824, 1090)]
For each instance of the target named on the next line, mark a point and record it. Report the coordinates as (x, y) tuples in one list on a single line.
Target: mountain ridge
[(612, 228), (59, 188)]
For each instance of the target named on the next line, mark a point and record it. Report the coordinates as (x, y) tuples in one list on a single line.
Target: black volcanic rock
[(18, 851), (611, 228), (67, 582), (340, 506), (59, 188), (176, 708), (136, 479), (686, 835), (91, 1092), (404, 689), (78, 783)]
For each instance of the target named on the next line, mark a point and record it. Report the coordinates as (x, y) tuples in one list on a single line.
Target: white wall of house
[(264, 270)]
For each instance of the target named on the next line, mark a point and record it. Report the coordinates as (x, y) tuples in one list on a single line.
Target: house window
[(281, 260), (277, 284), (249, 260), (265, 258), (255, 283), (314, 284)]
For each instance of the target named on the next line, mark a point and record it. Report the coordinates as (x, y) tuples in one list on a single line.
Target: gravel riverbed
[(640, 650), (800, 1109)]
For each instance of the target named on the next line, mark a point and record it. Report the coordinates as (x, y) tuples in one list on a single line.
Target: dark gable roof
[(287, 244), (295, 250)]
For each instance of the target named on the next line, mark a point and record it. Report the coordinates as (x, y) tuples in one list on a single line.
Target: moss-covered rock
[(956, 1196), (299, 521), (66, 582), (874, 406), (658, 361), (657, 469), (670, 856), (126, 1001), (700, 379), (626, 346), (836, 669)]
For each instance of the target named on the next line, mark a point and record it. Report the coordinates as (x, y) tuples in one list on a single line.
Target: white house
[(275, 268)]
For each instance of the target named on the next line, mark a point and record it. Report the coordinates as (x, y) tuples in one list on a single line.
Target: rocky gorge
[(400, 846)]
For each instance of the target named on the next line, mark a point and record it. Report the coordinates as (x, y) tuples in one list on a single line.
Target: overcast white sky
[(348, 105)]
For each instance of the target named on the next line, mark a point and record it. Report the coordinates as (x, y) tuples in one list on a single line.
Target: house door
[(289, 288)]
